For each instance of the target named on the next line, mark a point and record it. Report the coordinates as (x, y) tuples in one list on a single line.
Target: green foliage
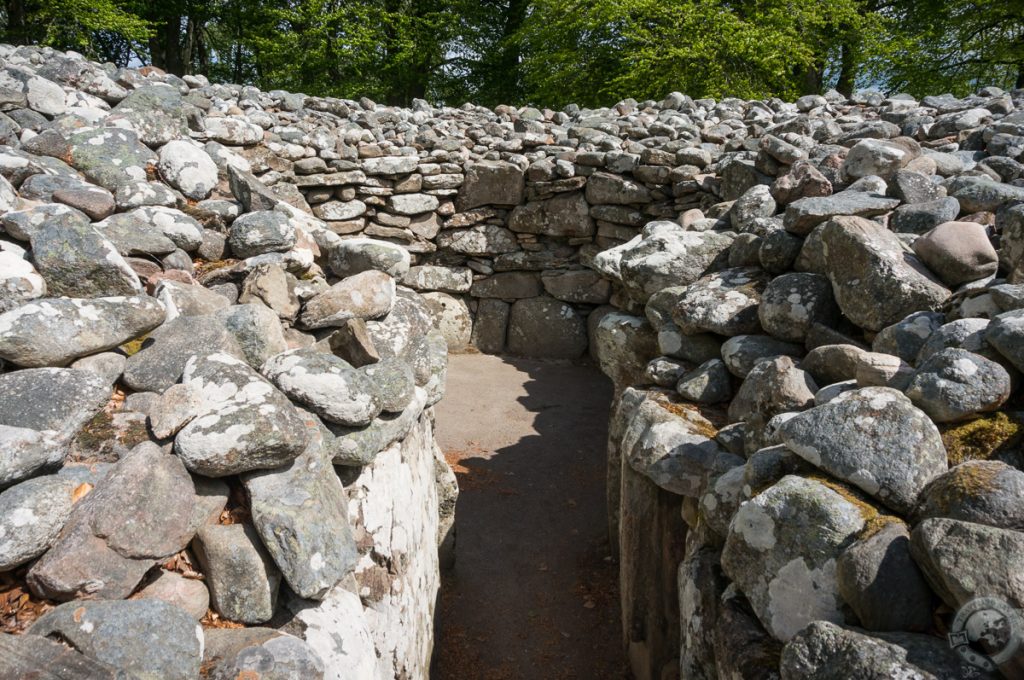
[(956, 46), (88, 26), (546, 52), (594, 51)]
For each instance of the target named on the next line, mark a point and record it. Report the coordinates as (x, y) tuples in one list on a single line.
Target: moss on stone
[(204, 267), (983, 438), (874, 519), (692, 415), (965, 482), (98, 438), (134, 346)]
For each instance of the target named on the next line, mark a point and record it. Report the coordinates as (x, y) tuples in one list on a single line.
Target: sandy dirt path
[(533, 593)]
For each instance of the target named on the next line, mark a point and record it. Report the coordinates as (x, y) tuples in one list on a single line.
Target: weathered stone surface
[(326, 384), (41, 409), (576, 286), (773, 386), (955, 384), (482, 240), (622, 344), (188, 594), (36, 656), (244, 422), (963, 560), (435, 278), (876, 282), (110, 157), (76, 261), (604, 187), (354, 256), (243, 580), (873, 438), (269, 284), (668, 256), (301, 513), (160, 362), (546, 327), (269, 654), (19, 281), (803, 215), (155, 112), (879, 580), (265, 231), (32, 514), (491, 325), (565, 215), (781, 551), (491, 183), (879, 157), (1006, 335), (366, 295), (54, 332), (148, 639), (138, 514), (725, 302), (709, 383), (826, 651), (792, 303), (188, 168), (980, 491), (906, 337), (508, 286), (233, 131), (742, 352), (452, 317)]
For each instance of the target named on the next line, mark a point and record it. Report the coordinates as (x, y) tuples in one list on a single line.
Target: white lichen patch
[(799, 594)]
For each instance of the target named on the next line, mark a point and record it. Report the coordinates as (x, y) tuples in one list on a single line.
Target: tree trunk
[(16, 21), (848, 68)]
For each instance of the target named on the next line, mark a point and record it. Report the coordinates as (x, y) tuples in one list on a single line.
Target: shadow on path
[(533, 593)]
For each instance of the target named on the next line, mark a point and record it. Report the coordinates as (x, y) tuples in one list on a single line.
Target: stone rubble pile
[(225, 315), (816, 457), (217, 451)]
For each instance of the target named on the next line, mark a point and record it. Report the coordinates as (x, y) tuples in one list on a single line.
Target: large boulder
[(873, 438), (781, 551), (149, 639), (41, 410), (724, 302), (55, 332), (566, 215), (667, 256), (242, 423), (876, 282), (140, 513), (76, 261)]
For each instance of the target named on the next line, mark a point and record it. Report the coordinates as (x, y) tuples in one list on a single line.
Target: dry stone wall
[(816, 447)]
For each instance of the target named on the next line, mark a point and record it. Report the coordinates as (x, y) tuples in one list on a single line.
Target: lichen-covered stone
[(876, 282), (54, 332), (244, 423), (149, 639), (875, 439), (781, 551)]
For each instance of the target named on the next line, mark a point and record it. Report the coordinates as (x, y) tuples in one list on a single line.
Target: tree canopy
[(546, 52)]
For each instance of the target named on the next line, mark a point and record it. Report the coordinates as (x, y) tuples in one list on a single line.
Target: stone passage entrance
[(533, 593)]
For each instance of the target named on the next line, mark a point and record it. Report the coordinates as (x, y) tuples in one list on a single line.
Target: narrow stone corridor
[(534, 592)]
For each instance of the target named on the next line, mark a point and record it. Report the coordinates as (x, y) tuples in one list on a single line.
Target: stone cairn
[(226, 315)]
